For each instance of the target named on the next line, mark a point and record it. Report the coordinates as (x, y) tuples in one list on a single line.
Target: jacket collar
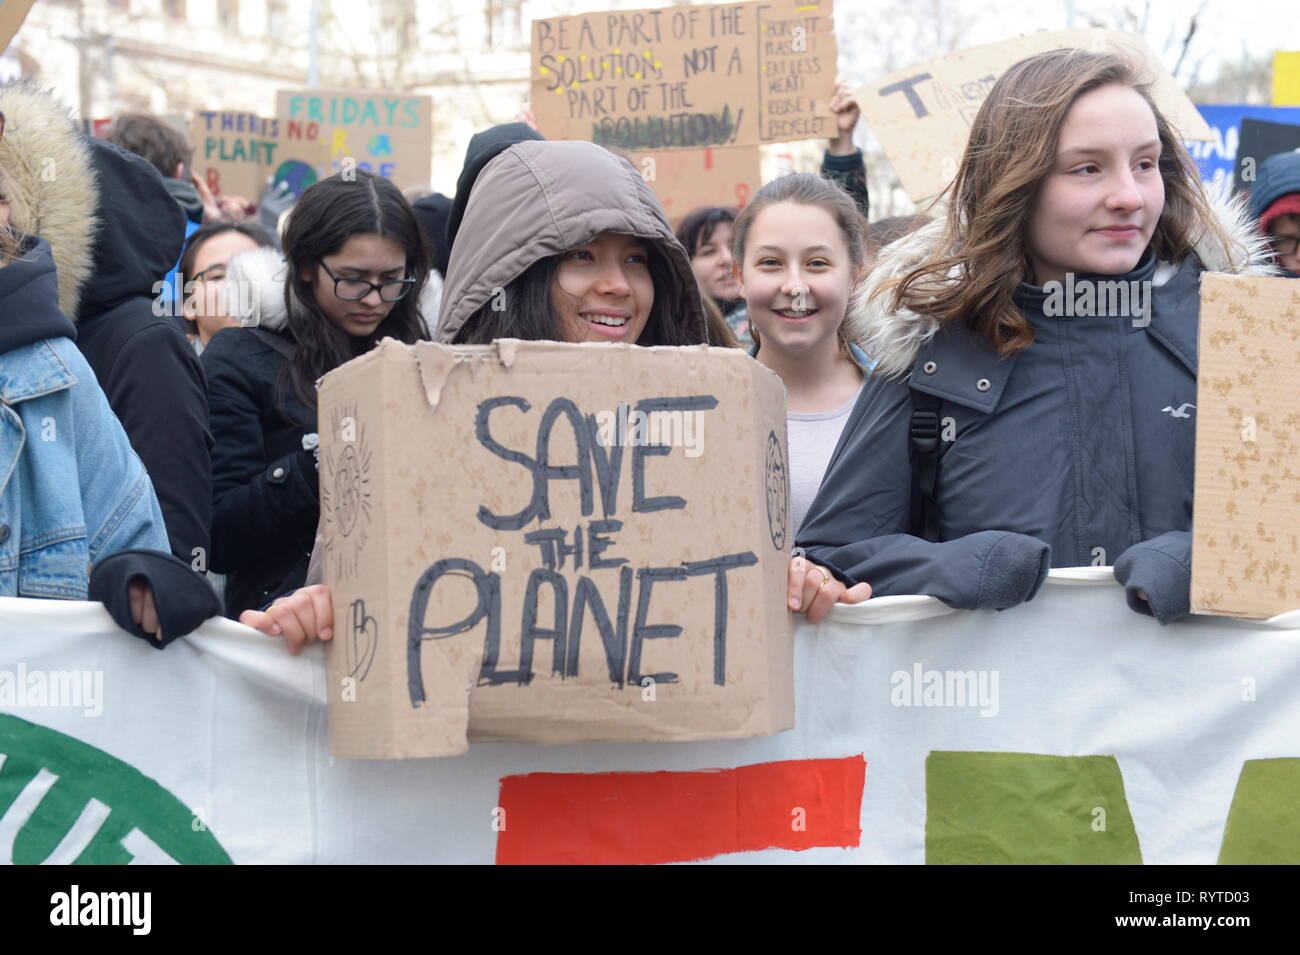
[(31, 371), (959, 365)]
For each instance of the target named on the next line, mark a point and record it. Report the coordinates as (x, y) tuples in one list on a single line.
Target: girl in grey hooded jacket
[(559, 241), (1042, 340)]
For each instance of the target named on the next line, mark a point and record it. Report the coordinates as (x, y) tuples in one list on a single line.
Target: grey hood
[(539, 199)]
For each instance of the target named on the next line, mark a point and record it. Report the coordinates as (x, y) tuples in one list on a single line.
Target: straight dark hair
[(328, 214), (527, 313)]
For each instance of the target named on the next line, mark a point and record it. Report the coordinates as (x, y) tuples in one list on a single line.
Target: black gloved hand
[(182, 597)]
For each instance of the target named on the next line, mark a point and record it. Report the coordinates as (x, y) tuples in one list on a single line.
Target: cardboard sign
[(326, 131), (1259, 140), (686, 179), (234, 151), (1246, 529), (687, 77), (12, 15), (592, 537), (922, 115)]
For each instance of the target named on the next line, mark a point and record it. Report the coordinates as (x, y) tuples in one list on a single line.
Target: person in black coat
[(143, 361), (115, 232), (354, 264)]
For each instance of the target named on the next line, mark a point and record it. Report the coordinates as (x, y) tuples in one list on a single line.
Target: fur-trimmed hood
[(104, 211), (51, 182), (894, 337)]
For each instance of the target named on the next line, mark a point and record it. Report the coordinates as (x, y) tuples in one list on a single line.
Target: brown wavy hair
[(981, 258)]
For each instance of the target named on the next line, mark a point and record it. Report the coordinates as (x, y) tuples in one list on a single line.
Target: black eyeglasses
[(1283, 244), (354, 290)]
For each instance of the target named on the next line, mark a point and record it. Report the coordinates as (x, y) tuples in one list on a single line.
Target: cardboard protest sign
[(685, 179), (1259, 140), (922, 115), (12, 15), (1246, 528), (234, 151), (389, 134), (592, 537), (686, 77)]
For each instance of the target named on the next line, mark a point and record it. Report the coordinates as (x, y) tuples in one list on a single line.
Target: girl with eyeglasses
[(354, 265), (202, 272)]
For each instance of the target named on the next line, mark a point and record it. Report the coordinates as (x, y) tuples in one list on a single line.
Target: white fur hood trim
[(256, 282)]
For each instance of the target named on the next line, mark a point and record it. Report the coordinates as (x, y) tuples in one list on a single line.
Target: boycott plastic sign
[(922, 115), (686, 77), (592, 537), (323, 132)]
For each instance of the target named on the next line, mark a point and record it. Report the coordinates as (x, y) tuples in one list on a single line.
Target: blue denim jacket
[(71, 489)]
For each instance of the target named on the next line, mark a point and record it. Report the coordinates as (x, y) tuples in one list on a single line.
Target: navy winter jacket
[(1078, 450)]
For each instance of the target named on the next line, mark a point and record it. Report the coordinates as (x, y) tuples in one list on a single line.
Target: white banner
[(1069, 729)]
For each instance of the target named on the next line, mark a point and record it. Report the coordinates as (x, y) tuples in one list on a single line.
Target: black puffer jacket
[(265, 498)]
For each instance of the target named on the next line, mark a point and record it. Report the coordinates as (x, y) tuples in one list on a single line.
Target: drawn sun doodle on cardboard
[(345, 491), (778, 491)]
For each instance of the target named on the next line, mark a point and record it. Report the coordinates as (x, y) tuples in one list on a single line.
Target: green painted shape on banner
[(1263, 825), (135, 801), (1027, 809)]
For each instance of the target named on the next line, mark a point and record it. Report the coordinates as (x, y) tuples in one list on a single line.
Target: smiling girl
[(565, 241), (801, 244), (356, 262), (560, 241), (1005, 430)]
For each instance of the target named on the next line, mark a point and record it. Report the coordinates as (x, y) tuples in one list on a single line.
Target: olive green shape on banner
[(135, 801), (1026, 809), (1263, 825)]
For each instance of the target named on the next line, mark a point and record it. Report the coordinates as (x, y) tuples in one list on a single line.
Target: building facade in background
[(177, 57)]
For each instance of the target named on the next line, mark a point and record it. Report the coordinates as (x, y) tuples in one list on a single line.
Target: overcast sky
[(1225, 27)]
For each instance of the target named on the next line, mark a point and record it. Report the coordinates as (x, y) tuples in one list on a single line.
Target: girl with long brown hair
[(1036, 352)]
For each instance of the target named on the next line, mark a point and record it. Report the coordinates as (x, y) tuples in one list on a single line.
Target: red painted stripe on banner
[(645, 818)]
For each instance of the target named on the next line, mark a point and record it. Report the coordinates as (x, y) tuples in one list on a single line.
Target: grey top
[(812, 436)]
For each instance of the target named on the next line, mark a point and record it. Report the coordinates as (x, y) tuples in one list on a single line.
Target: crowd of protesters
[(164, 460)]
